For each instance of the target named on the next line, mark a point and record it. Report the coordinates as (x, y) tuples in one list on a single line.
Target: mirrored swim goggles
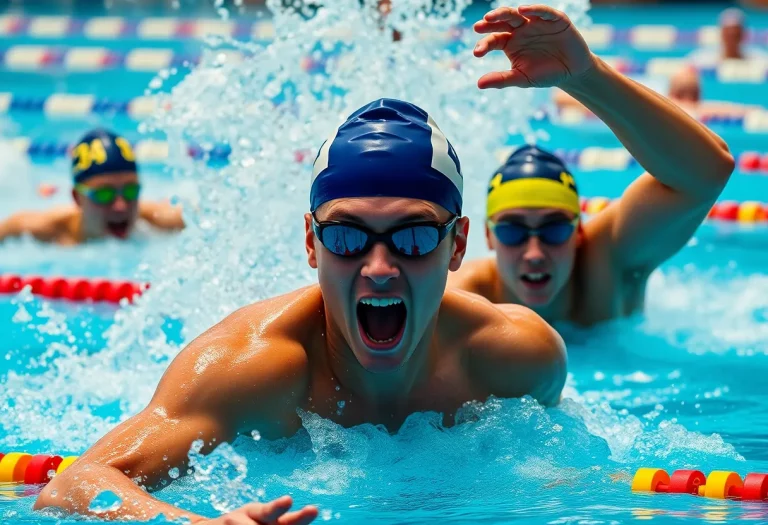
[(412, 240), (106, 195), (515, 234)]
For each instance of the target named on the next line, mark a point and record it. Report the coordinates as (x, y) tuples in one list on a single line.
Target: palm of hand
[(543, 52)]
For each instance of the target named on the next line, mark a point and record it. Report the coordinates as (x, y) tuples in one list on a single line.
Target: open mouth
[(381, 321), (118, 228), (535, 280)]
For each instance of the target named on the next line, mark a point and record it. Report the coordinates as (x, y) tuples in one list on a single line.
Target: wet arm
[(162, 215), (687, 166), (13, 226), (210, 392)]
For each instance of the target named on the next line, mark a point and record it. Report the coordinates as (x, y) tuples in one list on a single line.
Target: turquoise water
[(682, 386)]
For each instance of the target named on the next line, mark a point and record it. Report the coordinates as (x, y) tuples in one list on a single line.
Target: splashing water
[(244, 243)]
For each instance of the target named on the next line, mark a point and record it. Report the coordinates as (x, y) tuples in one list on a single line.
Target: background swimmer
[(379, 334), (105, 191), (598, 271), (733, 34), (684, 90)]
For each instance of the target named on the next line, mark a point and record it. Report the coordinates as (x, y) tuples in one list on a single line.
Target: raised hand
[(543, 47)]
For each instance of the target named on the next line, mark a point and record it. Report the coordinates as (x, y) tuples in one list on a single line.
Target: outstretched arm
[(11, 227), (162, 215), (687, 165), (203, 396), (44, 226)]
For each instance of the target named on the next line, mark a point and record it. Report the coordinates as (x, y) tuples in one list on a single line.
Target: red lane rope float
[(720, 484), (20, 467), (73, 289), (732, 211)]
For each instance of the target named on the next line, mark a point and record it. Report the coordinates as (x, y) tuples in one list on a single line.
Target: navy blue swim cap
[(100, 152), (388, 148), (532, 178)]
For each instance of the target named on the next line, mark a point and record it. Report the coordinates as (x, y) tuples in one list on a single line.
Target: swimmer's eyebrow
[(549, 217), (342, 216)]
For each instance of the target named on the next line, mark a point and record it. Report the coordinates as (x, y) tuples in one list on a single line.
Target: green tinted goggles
[(106, 195)]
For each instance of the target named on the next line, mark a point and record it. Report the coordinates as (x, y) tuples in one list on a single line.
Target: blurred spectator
[(684, 89), (732, 36)]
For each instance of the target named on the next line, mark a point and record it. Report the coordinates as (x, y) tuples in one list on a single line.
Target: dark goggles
[(106, 195), (515, 234), (408, 240)]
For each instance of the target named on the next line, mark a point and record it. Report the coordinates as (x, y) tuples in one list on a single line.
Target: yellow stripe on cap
[(532, 193)]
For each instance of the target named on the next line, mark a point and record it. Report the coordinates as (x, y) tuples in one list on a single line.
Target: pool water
[(682, 386)]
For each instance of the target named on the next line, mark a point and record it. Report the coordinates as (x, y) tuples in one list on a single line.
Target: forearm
[(672, 146), (75, 489)]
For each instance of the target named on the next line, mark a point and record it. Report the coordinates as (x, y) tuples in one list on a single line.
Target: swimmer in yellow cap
[(106, 198), (546, 257)]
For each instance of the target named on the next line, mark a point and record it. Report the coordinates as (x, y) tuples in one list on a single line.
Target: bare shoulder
[(512, 351), (251, 368), (474, 276)]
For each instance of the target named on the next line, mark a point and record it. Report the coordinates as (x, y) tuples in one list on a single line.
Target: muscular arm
[(11, 227), (519, 354), (687, 167), (162, 215), (223, 383), (44, 226)]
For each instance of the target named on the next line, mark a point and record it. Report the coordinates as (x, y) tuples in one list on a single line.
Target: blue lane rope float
[(599, 36), (91, 58), (586, 159)]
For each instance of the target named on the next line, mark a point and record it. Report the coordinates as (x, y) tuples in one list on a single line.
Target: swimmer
[(378, 332), (733, 32), (684, 90), (106, 198), (546, 257)]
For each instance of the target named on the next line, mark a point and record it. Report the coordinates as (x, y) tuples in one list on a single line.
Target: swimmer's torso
[(304, 378)]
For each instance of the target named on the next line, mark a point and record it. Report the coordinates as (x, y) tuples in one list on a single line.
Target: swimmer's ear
[(488, 238), (459, 243), (309, 241), (580, 233)]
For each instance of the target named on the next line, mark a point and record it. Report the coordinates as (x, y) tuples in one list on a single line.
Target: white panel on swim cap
[(321, 162), (441, 161)]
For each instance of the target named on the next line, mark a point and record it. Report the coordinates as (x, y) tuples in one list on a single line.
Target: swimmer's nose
[(534, 255), (380, 265), (120, 204)]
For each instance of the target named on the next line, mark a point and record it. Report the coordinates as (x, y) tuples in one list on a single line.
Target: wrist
[(588, 80)]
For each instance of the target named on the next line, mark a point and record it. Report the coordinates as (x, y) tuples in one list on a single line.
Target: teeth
[(535, 276), (382, 342), (381, 301)]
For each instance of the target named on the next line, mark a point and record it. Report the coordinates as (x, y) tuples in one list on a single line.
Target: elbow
[(727, 163), (46, 499)]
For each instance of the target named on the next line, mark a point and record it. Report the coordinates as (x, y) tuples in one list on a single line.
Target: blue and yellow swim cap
[(388, 148), (100, 152), (532, 178)]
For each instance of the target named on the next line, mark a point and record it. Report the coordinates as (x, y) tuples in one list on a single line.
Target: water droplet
[(326, 514), (173, 473), (165, 458), (256, 435), (54, 492), (338, 388)]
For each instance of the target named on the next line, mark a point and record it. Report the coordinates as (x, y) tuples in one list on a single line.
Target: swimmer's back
[(478, 276)]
